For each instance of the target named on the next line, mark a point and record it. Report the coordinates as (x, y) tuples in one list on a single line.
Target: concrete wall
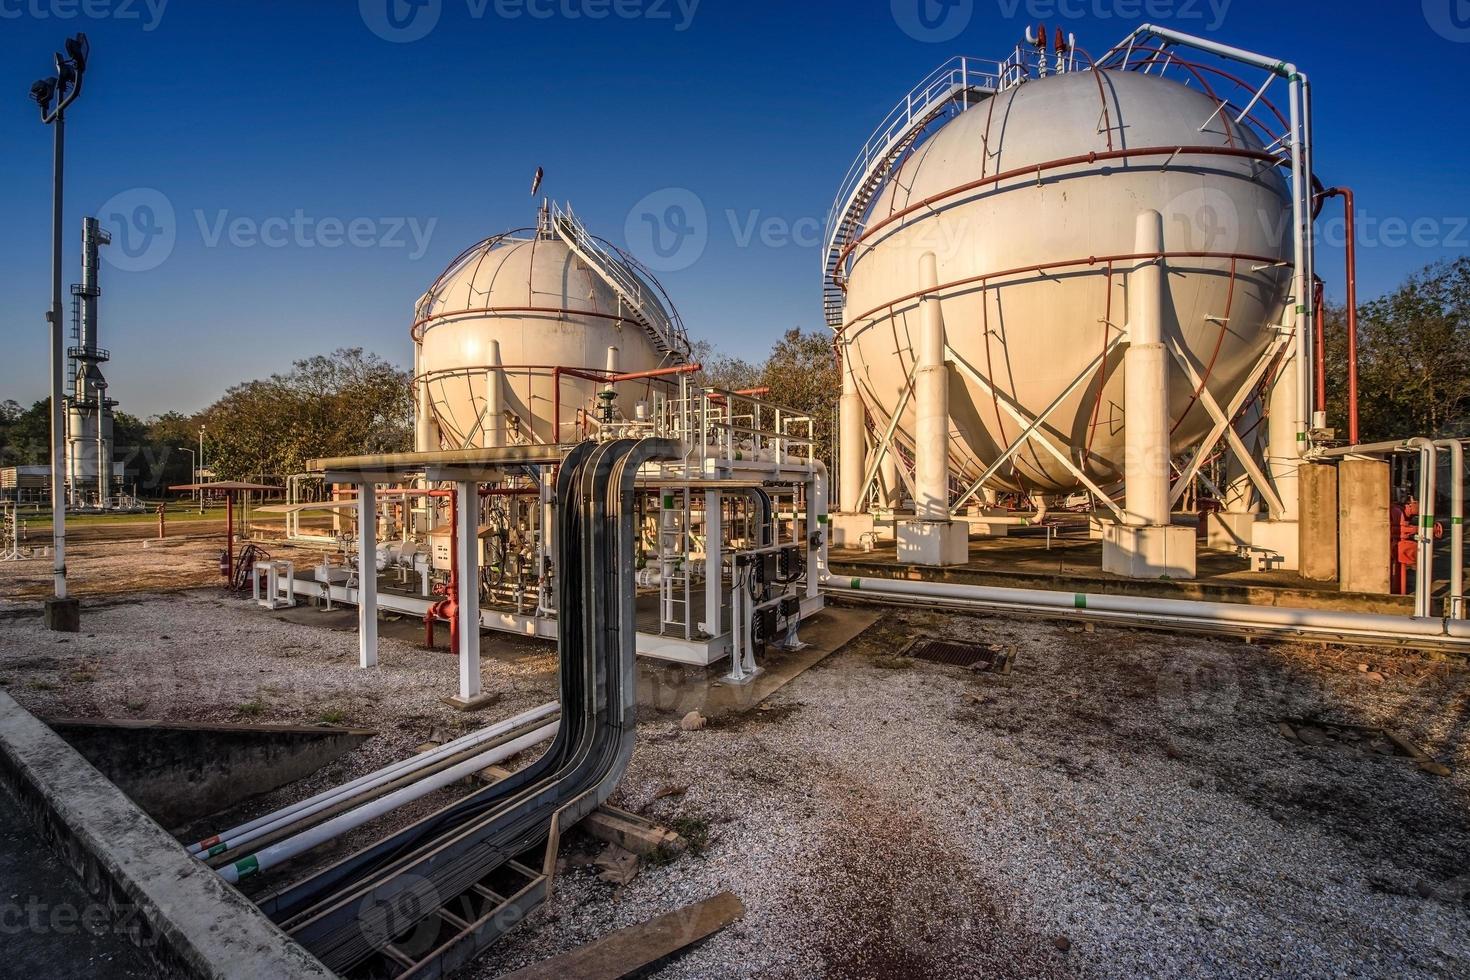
[(1363, 541), (1318, 527), (181, 772), (172, 905)]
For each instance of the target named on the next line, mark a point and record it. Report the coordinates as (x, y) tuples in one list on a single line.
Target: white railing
[(954, 81), (646, 307)]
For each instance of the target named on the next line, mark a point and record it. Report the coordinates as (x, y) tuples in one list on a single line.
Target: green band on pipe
[(1426, 521), (1457, 520), (218, 849), (248, 866), (857, 583), (1079, 600)]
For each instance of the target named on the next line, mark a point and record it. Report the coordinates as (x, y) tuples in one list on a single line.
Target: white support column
[(367, 575), (1146, 395), (467, 512), (712, 563), (494, 397), (931, 396), (850, 434), (1146, 545), (853, 519), (931, 538)]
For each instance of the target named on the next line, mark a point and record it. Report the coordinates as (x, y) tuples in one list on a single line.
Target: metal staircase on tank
[(660, 322), (959, 82)]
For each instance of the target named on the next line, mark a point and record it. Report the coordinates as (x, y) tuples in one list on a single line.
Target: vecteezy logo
[(400, 21), (1204, 218), (1450, 19), (668, 229), (933, 21), (143, 228)]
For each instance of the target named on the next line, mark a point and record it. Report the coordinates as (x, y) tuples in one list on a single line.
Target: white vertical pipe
[(1146, 377), (494, 398), (851, 451), (1424, 566), (1455, 605), (1290, 396), (467, 512), (816, 521), (367, 575), (712, 561), (423, 407), (931, 386)]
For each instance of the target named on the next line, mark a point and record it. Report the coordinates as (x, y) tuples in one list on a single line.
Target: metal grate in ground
[(959, 653)]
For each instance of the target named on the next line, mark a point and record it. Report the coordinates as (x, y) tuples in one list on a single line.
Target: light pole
[(200, 478), (53, 96)]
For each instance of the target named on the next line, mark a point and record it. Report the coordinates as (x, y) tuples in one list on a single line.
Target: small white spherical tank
[(519, 306), (1030, 210)]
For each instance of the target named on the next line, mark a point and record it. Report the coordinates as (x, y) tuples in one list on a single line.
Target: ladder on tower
[(662, 324), (959, 83)]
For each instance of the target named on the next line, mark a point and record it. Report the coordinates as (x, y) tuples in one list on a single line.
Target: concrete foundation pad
[(478, 703), (171, 904), (847, 530), (988, 525), (1227, 532), (1281, 537), (1149, 552), (63, 615), (934, 542)]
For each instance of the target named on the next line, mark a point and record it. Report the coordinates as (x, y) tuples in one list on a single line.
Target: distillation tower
[(89, 447)]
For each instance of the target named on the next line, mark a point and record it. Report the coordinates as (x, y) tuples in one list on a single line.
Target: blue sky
[(319, 176)]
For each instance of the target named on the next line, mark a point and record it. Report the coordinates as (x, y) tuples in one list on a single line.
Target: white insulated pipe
[(270, 822), (931, 389), (1146, 382), (1369, 627), (1455, 607), (1424, 566), (341, 824), (851, 451)]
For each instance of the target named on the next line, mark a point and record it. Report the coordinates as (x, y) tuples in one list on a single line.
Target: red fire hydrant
[(1403, 525), (447, 607)]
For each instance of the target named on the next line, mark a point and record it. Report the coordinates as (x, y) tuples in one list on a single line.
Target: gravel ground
[(1122, 803)]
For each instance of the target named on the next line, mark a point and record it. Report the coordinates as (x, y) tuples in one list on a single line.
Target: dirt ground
[(1123, 803)]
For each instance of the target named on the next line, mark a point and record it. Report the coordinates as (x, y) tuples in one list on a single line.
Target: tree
[(1413, 357), (721, 370), (802, 373), (344, 403), (25, 436)]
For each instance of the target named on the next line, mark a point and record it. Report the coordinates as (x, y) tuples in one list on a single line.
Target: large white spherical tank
[(1033, 268), (546, 308)]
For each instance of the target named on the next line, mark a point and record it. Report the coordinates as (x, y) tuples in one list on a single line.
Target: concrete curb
[(171, 905)]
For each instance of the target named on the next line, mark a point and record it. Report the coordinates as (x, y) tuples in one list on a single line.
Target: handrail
[(662, 326), (953, 80)]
